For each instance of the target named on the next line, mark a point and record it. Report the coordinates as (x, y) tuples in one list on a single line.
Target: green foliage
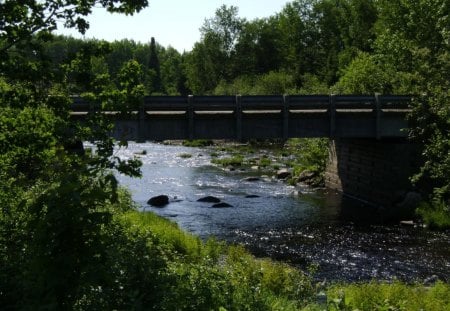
[(153, 64), (235, 160), (267, 84), (205, 276), (198, 143), (435, 214), (185, 155), (310, 154), (274, 83), (166, 232), (364, 76), (430, 127), (384, 296)]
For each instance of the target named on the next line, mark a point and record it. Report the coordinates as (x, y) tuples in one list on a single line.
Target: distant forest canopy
[(310, 47)]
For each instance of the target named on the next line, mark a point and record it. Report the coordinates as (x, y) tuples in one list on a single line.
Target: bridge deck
[(257, 117)]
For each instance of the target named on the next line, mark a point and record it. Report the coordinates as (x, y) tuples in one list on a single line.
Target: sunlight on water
[(292, 224)]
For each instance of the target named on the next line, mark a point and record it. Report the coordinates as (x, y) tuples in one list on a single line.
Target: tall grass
[(435, 214), (210, 275), (213, 276), (389, 296)]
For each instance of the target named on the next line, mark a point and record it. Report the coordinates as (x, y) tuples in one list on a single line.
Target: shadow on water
[(346, 239)]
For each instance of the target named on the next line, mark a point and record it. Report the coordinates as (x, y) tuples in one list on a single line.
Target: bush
[(436, 214)]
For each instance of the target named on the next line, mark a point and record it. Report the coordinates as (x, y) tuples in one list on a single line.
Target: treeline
[(311, 46), (303, 49)]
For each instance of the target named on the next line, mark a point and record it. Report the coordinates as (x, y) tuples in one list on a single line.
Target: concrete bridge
[(370, 157), (259, 117)]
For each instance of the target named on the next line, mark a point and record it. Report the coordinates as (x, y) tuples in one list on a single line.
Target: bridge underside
[(257, 125), (257, 117), (369, 156)]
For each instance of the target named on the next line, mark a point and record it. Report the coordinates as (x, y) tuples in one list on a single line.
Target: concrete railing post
[(332, 113), (285, 117), (190, 114), (378, 116), (238, 115)]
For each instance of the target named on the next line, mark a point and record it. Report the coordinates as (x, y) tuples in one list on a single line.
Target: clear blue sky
[(171, 22)]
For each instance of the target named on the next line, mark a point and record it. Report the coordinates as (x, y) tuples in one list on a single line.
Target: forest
[(70, 237)]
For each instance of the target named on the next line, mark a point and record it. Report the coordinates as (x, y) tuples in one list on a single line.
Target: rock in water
[(158, 201), (283, 174), (251, 178), (209, 199), (306, 176), (222, 204)]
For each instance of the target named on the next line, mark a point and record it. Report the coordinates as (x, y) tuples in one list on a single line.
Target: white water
[(290, 224)]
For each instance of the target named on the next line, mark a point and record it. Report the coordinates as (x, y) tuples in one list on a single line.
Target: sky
[(170, 22)]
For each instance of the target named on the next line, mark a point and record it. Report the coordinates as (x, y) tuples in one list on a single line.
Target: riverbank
[(348, 241), (213, 276)]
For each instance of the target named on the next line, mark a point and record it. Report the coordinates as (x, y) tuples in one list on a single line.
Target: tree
[(210, 59), (172, 72), (413, 38), (153, 64), (56, 205), (20, 20), (226, 26)]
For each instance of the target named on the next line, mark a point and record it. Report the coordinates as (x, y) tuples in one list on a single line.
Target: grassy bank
[(213, 276)]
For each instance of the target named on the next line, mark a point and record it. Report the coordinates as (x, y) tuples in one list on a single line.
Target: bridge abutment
[(375, 171)]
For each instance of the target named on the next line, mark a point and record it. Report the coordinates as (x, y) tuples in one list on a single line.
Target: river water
[(344, 239)]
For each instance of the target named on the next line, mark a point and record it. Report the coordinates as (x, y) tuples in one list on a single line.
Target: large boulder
[(158, 201), (209, 199)]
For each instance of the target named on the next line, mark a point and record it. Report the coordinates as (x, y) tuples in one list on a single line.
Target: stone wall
[(376, 171)]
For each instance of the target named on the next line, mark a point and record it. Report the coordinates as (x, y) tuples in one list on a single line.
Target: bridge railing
[(263, 102), (269, 116)]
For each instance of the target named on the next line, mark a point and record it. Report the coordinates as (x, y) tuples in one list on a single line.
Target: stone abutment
[(375, 171)]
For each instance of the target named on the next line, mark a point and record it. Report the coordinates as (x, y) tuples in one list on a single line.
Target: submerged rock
[(209, 199), (251, 178), (158, 201), (221, 205)]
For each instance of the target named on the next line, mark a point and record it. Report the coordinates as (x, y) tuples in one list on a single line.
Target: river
[(344, 239)]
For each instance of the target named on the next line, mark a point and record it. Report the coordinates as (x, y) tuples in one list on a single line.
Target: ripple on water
[(291, 224)]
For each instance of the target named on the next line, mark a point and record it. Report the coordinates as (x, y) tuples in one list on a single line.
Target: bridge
[(369, 156), (258, 117)]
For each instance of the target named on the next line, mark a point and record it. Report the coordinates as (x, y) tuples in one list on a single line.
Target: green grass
[(210, 275), (435, 214), (389, 296), (185, 155), (213, 276), (167, 232), (236, 160), (264, 162)]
